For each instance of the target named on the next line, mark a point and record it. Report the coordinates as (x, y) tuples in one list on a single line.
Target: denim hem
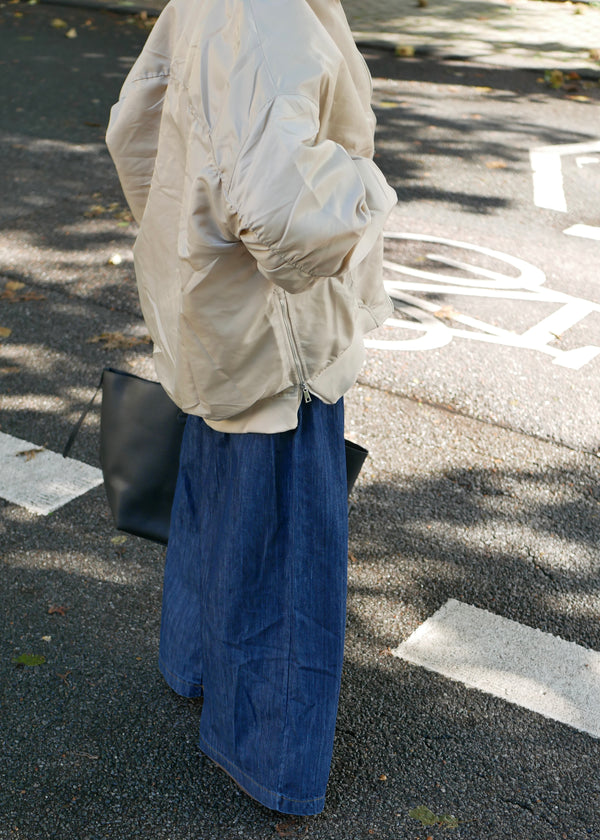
[(269, 798), (180, 686)]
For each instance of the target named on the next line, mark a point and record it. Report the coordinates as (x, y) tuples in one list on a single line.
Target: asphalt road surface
[(481, 487), (497, 161)]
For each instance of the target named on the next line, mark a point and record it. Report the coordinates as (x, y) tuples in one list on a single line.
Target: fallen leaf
[(119, 540), (5, 332), (447, 313), (7, 370), (424, 815), (95, 210), (555, 78), (59, 23), (54, 609), (29, 659), (72, 33), (116, 259), (118, 341), (383, 778), (288, 829), (405, 51), (496, 164), (11, 293), (484, 89), (46, 638), (580, 98), (448, 821), (29, 454)]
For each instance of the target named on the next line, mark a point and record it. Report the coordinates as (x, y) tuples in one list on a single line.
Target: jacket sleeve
[(304, 207), (132, 137)]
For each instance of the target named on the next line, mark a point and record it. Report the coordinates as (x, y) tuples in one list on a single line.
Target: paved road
[(460, 143), (448, 507)]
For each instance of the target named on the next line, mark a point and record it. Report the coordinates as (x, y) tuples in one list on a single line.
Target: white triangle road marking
[(586, 231), (522, 665), (40, 480)]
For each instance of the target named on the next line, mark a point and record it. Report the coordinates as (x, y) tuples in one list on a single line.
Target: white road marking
[(586, 231), (524, 666), (548, 191), (40, 480), (546, 164), (425, 315)]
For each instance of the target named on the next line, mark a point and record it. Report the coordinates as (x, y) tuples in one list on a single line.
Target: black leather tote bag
[(140, 439)]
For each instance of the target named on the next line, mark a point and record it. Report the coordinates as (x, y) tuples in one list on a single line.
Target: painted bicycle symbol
[(468, 277)]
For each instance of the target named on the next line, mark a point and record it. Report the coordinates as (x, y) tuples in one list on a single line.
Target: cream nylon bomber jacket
[(243, 139)]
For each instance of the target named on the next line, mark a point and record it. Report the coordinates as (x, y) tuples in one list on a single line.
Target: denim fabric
[(254, 600)]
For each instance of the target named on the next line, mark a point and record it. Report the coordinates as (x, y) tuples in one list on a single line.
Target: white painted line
[(546, 164), (586, 231), (535, 670), (40, 480), (548, 191)]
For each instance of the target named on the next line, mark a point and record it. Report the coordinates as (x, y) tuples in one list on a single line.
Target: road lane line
[(522, 665), (548, 190), (546, 165), (586, 231), (39, 480)]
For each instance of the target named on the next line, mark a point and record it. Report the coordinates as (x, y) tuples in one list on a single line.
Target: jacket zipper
[(294, 348)]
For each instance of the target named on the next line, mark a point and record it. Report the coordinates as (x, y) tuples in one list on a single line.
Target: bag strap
[(78, 424)]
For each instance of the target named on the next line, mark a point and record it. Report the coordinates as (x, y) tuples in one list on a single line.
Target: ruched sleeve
[(304, 207)]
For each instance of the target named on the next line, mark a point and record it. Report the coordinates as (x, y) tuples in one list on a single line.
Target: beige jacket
[(243, 139)]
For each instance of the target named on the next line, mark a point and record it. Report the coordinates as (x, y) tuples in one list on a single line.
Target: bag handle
[(78, 424)]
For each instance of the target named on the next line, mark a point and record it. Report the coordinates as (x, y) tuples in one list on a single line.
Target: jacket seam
[(262, 49), (148, 76)]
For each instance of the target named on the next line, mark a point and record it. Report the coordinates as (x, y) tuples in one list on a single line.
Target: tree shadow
[(419, 131), (104, 748), (94, 744)]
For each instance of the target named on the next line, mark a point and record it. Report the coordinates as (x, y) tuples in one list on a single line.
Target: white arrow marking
[(586, 161), (40, 480), (535, 670), (586, 231), (548, 191)]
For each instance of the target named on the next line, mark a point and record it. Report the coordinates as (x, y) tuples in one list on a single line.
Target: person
[(243, 140)]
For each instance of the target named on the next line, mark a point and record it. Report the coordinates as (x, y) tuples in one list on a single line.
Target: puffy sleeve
[(304, 207), (132, 137)]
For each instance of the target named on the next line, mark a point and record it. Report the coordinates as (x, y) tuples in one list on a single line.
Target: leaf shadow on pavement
[(101, 745), (94, 744), (437, 119)]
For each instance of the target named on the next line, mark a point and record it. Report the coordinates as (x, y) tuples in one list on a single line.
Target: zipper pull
[(306, 393)]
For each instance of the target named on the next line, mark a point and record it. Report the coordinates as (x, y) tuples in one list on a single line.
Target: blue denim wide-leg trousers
[(254, 600)]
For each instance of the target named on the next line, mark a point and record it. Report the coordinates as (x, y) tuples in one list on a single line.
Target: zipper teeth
[(294, 349)]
